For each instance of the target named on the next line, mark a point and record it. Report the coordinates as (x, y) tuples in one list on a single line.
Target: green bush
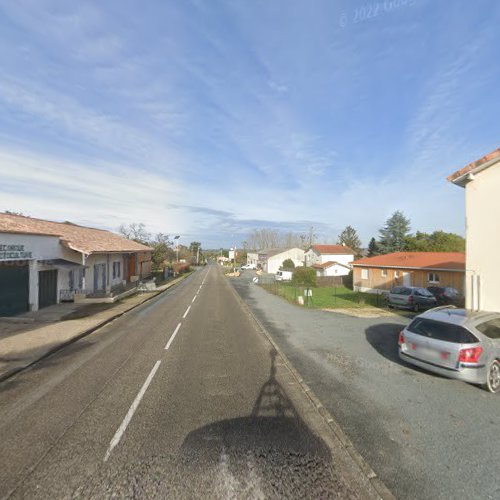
[(288, 264), (348, 281), (304, 276)]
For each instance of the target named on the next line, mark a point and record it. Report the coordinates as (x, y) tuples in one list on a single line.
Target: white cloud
[(95, 193)]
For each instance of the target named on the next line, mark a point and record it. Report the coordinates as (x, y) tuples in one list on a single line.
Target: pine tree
[(393, 234), (373, 248), (349, 237)]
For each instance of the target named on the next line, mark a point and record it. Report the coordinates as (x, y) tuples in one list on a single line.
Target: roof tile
[(424, 260), (80, 238)]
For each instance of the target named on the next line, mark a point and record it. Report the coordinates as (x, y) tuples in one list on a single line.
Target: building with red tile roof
[(44, 262), (330, 260), (382, 272)]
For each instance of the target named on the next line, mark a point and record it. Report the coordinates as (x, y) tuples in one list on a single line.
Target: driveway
[(425, 436)]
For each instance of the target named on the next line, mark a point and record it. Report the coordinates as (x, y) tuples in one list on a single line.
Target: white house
[(481, 181), (44, 262), (330, 260), (272, 259)]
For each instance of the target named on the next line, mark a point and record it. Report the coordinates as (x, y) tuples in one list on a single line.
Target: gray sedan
[(455, 343)]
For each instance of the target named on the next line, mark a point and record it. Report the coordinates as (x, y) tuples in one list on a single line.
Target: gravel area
[(424, 435)]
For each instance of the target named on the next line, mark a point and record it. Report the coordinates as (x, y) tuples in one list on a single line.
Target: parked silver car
[(411, 297), (455, 343)]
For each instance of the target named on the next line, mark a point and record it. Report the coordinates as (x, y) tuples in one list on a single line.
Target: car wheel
[(390, 306), (493, 377), (416, 308)]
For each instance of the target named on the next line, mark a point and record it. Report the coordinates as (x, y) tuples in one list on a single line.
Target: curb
[(10, 373), (379, 486)]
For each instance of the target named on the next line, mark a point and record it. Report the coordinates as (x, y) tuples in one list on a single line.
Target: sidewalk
[(22, 344)]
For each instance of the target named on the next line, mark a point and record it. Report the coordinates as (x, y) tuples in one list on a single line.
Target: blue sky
[(211, 118)]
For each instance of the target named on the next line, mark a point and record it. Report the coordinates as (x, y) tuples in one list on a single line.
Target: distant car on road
[(446, 295), (411, 297), (455, 343), (248, 266)]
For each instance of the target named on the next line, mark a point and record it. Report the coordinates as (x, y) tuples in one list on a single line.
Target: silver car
[(411, 297), (455, 343)]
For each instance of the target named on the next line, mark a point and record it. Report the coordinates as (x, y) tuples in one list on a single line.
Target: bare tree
[(135, 231)]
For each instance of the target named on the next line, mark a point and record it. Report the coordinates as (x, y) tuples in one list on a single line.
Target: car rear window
[(438, 330), (490, 328)]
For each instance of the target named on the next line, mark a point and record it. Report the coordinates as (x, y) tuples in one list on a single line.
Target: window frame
[(383, 273), (433, 274), (365, 275)]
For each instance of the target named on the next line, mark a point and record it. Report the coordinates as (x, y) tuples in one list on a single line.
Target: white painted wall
[(482, 205), (252, 258), (275, 262), (334, 270), (312, 257)]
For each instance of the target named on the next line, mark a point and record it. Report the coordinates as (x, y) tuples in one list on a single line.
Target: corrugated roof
[(454, 261), (80, 238), (332, 249)]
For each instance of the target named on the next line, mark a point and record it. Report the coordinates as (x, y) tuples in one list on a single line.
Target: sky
[(210, 118)]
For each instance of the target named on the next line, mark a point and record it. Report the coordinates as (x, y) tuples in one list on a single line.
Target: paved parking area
[(425, 436)]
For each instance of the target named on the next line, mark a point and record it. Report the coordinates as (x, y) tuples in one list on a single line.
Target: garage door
[(47, 288), (14, 289)]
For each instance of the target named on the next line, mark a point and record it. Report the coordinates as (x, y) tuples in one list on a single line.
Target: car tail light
[(401, 340), (410, 299), (470, 355)]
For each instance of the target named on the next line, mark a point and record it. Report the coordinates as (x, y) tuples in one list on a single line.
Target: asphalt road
[(183, 398), (424, 435)]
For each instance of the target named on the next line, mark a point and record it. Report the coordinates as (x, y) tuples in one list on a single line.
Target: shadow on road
[(383, 337), (271, 452)]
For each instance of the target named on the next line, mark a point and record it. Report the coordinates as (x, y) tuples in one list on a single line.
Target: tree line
[(394, 236), (164, 247)]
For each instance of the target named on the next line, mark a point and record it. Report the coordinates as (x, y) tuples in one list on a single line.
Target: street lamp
[(177, 247)]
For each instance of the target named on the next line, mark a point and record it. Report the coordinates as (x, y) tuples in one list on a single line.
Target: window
[(396, 274), (383, 272), (438, 330), (116, 269), (364, 274), (490, 328), (433, 277)]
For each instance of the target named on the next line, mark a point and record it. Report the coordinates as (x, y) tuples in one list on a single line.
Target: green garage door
[(47, 288), (14, 289)]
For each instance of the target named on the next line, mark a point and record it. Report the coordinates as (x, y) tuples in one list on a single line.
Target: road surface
[(183, 397)]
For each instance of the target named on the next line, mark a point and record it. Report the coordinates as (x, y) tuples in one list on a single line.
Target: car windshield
[(424, 292), (440, 330), (401, 291)]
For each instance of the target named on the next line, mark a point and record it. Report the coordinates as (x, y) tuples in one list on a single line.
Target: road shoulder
[(22, 350), (352, 466)]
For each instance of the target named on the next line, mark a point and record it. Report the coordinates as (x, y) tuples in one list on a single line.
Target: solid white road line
[(187, 312), (171, 339), (128, 417)]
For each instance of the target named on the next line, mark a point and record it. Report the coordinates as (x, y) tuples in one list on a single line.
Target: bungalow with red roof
[(481, 181), (44, 262), (329, 260), (380, 273)]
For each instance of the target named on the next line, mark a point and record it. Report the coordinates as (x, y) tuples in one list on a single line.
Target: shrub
[(288, 264), (348, 281), (180, 268), (304, 276)]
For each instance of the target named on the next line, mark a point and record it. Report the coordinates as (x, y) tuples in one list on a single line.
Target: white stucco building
[(44, 262), (330, 260), (481, 180), (272, 259)]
